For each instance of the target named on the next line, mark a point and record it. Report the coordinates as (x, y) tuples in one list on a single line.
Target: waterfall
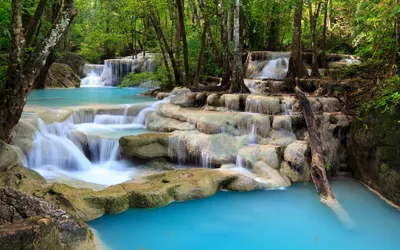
[(68, 149), (52, 147), (251, 85), (253, 105), (114, 70), (267, 64), (253, 134), (205, 159), (275, 69), (141, 117)]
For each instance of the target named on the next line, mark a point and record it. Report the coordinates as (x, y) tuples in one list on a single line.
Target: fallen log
[(318, 173)]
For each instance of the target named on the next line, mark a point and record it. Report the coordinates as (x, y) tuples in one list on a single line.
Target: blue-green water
[(83, 96), (292, 219)]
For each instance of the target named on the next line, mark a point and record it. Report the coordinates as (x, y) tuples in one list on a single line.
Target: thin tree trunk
[(200, 60), (185, 46), (318, 173), (214, 48), (237, 83), (166, 65), (21, 74), (195, 13), (31, 27), (144, 36), (296, 65), (178, 33), (324, 40), (226, 69), (313, 26), (397, 56), (161, 37), (229, 20)]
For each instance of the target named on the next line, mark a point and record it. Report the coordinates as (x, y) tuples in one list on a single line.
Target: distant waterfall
[(267, 64), (114, 70)]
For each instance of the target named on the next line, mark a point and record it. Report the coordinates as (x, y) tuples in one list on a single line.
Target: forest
[(119, 117)]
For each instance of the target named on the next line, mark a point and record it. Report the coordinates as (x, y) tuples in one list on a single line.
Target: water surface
[(83, 96), (292, 219)]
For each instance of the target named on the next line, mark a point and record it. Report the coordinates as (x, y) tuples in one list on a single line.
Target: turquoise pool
[(291, 219), (83, 96)]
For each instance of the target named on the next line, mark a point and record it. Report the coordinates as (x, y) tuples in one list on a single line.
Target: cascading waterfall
[(267, 64), (140, 118), (74, 149), (114, 70)]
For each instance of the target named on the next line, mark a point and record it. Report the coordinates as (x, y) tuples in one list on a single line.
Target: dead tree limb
[(318, 173)]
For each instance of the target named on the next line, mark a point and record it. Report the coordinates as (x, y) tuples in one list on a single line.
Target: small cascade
[(81, 116), (103, 150), (141, 117), (112, 119), (205, 160), (251, 85), (287, 106), (114, 70), (253, 134), (267, 64), (253, 106), (239, 161), (275, 69), (176, 150), (51, 147)]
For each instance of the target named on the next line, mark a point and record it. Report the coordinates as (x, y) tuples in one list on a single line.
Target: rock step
[(255, 103)]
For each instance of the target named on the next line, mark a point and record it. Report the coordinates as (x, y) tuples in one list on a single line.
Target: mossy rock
[(62, 76), (374, 148)]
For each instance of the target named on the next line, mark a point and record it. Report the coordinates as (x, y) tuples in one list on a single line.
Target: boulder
[(8, 157), (22, 134), (62, 76), (29, 222), (213, 100), (76, 62), (296, 161), (145, 146), (330, 104), (159, 123), (184, 99)]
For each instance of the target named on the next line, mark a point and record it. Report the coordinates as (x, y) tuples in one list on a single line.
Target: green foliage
[(135, 79), (5, 18), (387, 96), (3, 71), (328, 166)]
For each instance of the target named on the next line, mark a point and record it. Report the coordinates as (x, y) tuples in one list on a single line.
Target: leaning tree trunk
[(237, 83), (318, 173), (296, 65), (22, 73), (180, 4)]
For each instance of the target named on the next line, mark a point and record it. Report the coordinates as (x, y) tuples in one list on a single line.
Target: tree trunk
[(318, 173), (21, 74), (229, 20), (226, 69), (214, 48), (195, 13), (178, 33), (31, 27), (200, 60), (397, 56), (296, 65), (237, 83), (144, 36), (313, 27), (161, 37), (324, 41), (185, 46)]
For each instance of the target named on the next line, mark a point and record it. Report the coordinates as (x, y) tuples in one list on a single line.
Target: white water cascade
[(114, 70), (268, 65)]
